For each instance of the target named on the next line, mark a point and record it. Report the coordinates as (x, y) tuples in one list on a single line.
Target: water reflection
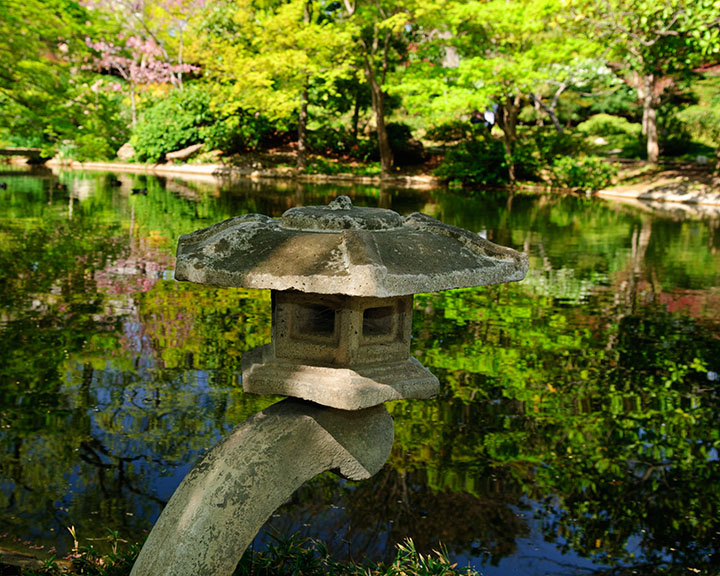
[(578, 414)]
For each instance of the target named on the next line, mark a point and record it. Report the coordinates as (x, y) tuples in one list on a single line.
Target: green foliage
[(336, 142), (608, 125), (42, 46), (185, 117), (605, 133), (583, 172), (309, 557), (702, 123), (406, 149), (479, 162), (550, 144), (330, 167), (450, 131), (177, 120), (284, 555), (241, 131)]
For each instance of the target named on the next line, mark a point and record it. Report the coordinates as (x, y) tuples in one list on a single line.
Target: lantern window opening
[(315, 321), (379, 321)]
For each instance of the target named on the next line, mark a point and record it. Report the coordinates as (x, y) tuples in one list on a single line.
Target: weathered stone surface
[(348, 388), (222, 503), (339, 330), (340, 249)]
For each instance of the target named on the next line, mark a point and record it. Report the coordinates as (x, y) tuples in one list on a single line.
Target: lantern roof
[(344, 249)]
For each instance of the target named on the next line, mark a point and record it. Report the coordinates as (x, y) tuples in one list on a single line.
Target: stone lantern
[(342, 281)]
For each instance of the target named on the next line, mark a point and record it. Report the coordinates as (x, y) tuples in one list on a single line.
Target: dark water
[(576, 431)]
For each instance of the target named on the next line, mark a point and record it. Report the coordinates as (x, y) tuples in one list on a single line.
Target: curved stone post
[(226, 498)]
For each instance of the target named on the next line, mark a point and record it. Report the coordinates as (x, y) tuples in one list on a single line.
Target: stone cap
[(342, 249)]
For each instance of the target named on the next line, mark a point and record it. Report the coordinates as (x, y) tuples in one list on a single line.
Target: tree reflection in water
[(578, 409)]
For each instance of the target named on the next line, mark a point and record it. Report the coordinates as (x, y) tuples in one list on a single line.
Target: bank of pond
[(576, 430)]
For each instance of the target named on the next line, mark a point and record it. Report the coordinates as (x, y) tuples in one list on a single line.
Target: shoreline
[(221, 171), (668, 187)]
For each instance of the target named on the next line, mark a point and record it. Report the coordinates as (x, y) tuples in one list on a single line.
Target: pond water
[(578, 422)]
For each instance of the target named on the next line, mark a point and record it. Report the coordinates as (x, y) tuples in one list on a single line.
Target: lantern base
[(349, 388)]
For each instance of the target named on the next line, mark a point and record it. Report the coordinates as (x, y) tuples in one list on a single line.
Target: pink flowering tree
[(149, 46), (138, 62)]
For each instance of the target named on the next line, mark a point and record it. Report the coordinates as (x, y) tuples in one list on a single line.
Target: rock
[(126, 152), (223, 502), (183, 154)]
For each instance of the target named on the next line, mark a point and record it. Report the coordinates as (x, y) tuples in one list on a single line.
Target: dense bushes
[(608, 125), (702, 123), (479, 162), (449, 132), (179, 119), (406, 149), (613, 134), (184, 117), (340, 142), (583, 172), (482, 160)]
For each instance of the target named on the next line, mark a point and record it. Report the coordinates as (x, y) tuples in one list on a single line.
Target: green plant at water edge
[(309, 557), (173, 122), (284, 555), (585, 172), (323, 166), (479, 162)]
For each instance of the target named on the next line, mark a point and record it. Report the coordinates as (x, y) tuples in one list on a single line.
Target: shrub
[(328, 141), (584, 172), (478, 162), (618, 133), (172, 123), (674, 138), (451, 131), (550, 144), (241, 131), (92, 147), (93, 129), (703, 124), (608, 125), (406, 149)]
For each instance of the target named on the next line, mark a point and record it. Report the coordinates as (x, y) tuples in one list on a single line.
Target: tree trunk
[(303, 115), (549, 110), (180, 60), (650, 122), (646, 90), (356, 114), (302, 131), (378, 104), (133, 107), (507, 120)]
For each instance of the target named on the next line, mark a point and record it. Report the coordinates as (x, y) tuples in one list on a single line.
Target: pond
[(576, 430)]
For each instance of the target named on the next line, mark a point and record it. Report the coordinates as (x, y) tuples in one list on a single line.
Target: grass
[(284, 556)]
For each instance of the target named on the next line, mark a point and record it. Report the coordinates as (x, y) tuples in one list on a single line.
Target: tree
[(136, 61), (653, 43), (40, 48), (267, 57), (477, 55), (152, 28), (134, 42), (380, 30)]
